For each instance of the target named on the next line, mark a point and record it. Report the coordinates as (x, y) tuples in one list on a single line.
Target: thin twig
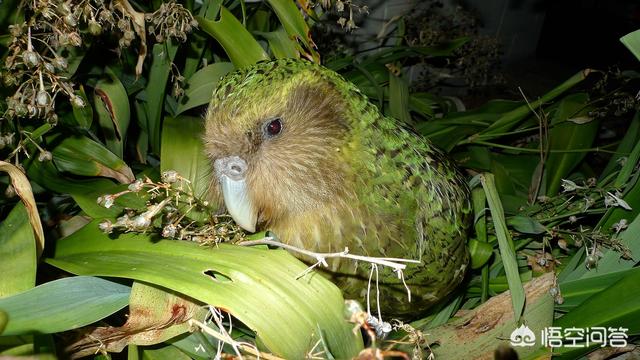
[(394, 263)]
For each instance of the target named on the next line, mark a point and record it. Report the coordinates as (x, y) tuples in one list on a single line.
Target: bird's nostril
[(231, 166)]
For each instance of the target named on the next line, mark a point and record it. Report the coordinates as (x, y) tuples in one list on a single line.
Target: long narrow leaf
[(507, 250), (241, 47), (18, 253), (45, 308)]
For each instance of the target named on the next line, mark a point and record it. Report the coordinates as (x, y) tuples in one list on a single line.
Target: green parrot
[(298, 150)]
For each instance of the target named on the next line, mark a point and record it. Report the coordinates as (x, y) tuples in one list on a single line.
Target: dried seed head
[(169, 231), (45, 156), (60, 63), (106, 200), (136, 185), (76, 101), (95, 28), (70, 20), (43, 98), (30, 58), (75, 39), (140, 222), (106, 226), (128, 35), (49, 67), (170, 176)]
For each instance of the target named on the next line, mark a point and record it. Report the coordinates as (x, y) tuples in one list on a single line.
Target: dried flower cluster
[(37, 64), (171, 20), (562, 215), (345, 10), (169, 203)]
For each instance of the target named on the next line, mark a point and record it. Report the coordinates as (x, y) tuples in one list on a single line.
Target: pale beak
[(231, 173)]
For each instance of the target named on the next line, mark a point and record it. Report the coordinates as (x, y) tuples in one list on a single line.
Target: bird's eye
[(273, 127)]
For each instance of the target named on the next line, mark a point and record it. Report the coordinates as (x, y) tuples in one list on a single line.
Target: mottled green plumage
[(343, 175)]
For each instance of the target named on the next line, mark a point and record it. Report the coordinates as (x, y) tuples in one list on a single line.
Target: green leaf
[(80, 155), (241, 47), (199, 88), (507, 250), (182, 151), (611, 259), (154, 93), (84, 192), (632, 42), (399, 97), (526, 225), (630, 165), (63, 304), (291, 19), (567, 135), (164, 353), (257, 286), (280, 44), (575, 292), (18, 252), (508, 120), (629, 141), (112, 107), (83, 114), (3, 320), (616, 306), (480, 253)]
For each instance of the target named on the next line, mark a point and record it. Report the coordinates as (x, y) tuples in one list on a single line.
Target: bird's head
[(275, 134)]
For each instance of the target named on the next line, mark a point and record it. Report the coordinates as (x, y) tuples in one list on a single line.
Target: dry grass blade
[(22, 188)]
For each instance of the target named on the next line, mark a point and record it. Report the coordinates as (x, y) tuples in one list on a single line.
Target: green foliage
[(109, 92)]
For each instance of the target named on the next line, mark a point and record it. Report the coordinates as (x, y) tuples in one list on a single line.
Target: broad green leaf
[(183, 151), (507, 250), (83, 114), (526, 225), (3, 320), (399, 97), (199, 88), (80, 155), (566, 135), (112, 107), (84, 192), (280, 45), (18, 253), (575, 292), (257, 286), (480, 253), (291, 19), (22, 187), (63, 304), (632, 42), (616, 306), (163, 55), (241, 47)]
